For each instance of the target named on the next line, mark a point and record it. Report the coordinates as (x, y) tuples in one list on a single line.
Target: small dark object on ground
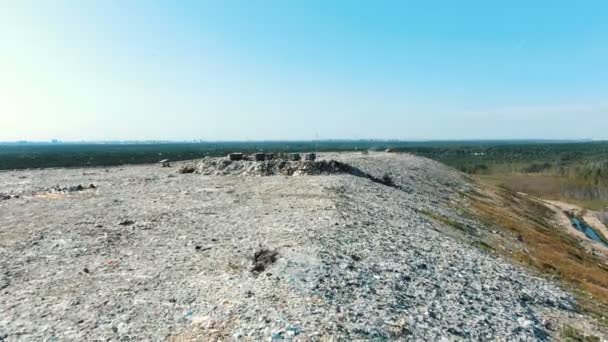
[(5, 197), (200, 248), (294, 156), (259, 156), (355, 257), (310, 156), (126, 222), (187, 169), (165, 163), (262, 259), (86, 270), (73, 188), (387, 180)]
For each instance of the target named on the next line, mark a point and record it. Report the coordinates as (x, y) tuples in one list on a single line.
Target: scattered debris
[(187, 169), (73, 188), (262, 259), (310, 156), (235, 156), (294, 156), (222, 166)]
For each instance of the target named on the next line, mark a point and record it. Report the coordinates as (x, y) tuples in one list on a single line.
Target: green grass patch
[(484, 247), (445, 220), (572, 334)]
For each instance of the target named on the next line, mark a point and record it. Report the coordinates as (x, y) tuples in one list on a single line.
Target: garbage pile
[(254, 165), (72, 188)]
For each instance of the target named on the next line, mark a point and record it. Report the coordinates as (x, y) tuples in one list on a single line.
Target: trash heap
[(260, 164), (72, 188)]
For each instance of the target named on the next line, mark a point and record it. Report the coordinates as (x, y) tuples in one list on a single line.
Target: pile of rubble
[(271, 156), (72, 188), (265, 164)]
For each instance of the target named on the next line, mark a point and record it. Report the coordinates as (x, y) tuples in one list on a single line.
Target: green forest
[(576, 170)]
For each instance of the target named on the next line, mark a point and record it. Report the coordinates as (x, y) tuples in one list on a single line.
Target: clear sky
[(250, 70)]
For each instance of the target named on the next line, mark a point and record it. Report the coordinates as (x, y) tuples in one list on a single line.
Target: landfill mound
[(225, 166), (156, 254)]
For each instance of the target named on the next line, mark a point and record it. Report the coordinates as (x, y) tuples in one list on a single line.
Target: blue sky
[(250, 70)]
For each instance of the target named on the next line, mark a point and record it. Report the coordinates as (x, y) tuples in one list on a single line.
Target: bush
[(536, 168)]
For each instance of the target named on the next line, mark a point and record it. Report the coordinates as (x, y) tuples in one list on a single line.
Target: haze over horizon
[(272, 70)]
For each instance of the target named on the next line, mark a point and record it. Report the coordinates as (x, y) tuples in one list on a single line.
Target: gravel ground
[(150, 254)]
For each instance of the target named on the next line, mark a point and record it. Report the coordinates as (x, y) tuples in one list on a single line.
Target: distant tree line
[(585, 162)]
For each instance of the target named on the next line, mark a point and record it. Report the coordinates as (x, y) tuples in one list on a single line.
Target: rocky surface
[(207, 257), (274, 167)]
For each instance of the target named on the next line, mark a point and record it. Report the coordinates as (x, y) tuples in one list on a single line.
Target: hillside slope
[(152, 254)]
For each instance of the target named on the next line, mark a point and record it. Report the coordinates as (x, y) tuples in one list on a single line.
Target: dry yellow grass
[(548, 248), (545, 186)]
